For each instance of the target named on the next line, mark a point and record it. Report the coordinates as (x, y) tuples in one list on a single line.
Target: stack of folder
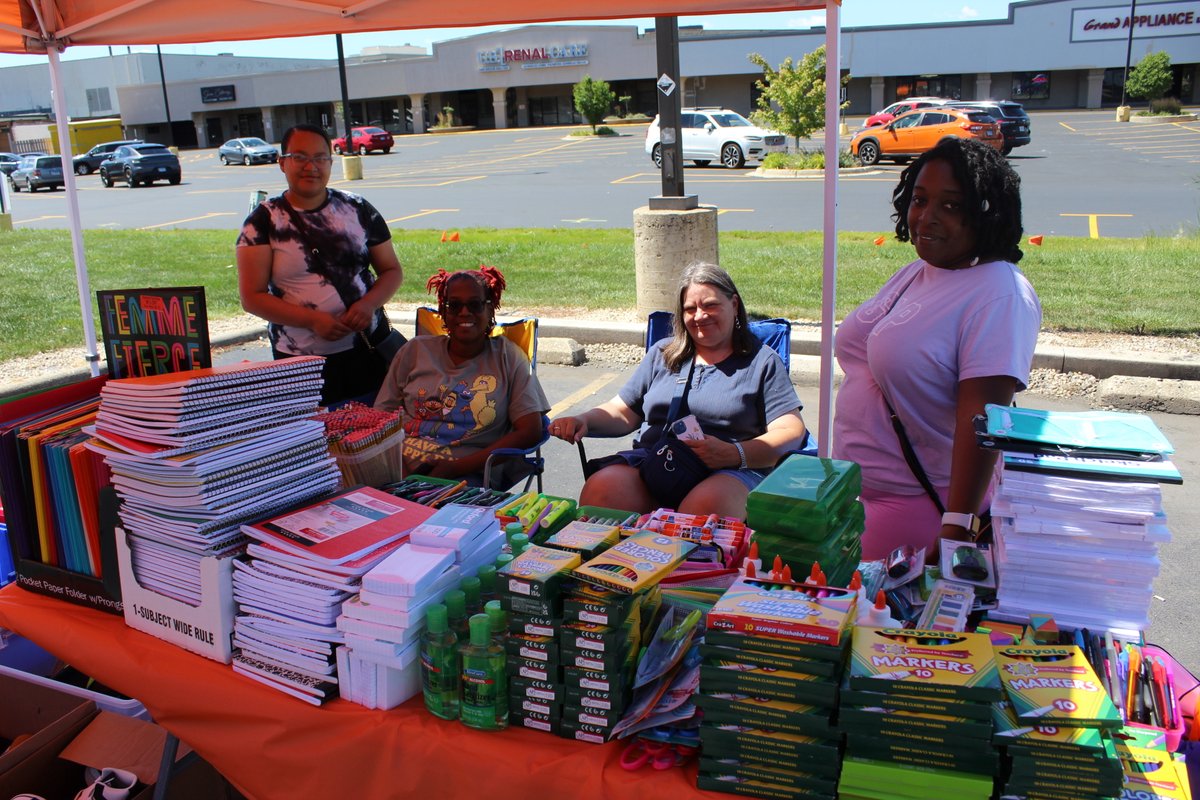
[(772, 659), (807, 511), (195, 454), (1078, 515), (916, 710)]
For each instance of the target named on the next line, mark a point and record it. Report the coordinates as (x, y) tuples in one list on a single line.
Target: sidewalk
[(1128, 381)]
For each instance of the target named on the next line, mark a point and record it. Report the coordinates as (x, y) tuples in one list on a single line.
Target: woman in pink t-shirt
[(947, 334)]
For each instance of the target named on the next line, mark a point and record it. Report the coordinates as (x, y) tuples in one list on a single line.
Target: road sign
[(666, 85)]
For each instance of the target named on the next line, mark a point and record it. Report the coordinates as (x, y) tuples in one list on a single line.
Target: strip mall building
[(1046, 54)]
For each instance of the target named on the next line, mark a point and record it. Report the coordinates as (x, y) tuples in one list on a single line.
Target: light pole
[(1129, 48)]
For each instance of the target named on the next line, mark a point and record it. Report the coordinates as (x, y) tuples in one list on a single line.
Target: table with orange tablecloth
[(270, 745)]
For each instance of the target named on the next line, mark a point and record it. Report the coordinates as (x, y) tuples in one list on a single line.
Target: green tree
[(593, 99), (792, 98), (1151, 78)]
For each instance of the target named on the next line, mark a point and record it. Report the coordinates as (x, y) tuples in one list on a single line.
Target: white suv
[(717, 134)]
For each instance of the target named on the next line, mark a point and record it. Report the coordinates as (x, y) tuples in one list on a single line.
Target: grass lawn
[(1144, 286)]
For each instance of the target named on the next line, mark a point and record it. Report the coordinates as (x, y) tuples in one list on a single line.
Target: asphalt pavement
[(574, 389)]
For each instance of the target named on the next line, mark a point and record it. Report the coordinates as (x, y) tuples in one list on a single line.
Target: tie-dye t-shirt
[(322, 263)]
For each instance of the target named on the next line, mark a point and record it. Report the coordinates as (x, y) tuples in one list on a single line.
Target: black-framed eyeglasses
[(475, 306), (304, 159)]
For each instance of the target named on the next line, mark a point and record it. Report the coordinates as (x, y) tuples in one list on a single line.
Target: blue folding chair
[(774, 333)]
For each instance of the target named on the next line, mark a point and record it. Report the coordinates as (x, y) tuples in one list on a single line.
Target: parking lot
[(1083, 175)]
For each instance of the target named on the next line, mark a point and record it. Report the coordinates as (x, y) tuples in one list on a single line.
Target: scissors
[(639, 752)]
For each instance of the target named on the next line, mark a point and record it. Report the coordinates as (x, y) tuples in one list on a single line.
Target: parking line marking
[(721, 211), (422, 213), (209, 215), (583, 219), (39, 219), (593, 387), (1093, 226), (1068, 127)]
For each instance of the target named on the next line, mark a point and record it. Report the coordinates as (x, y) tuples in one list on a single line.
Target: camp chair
[(523, 333), (774, 333)]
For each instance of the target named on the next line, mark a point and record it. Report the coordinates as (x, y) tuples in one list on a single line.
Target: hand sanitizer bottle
[(484, 681), (440, 672)]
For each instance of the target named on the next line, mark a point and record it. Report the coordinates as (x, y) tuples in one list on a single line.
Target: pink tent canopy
[(50, 26)]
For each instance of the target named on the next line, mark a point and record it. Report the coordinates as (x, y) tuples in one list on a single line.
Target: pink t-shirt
[(926, 330)]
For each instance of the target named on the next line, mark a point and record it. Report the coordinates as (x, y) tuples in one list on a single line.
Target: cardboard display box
[(51, 719)]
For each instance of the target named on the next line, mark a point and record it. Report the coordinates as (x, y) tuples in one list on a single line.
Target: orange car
[(915, 132)]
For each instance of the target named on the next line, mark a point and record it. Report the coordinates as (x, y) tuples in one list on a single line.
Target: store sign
[(154, 331), (501, 58), (218, 94), (1149, 21)]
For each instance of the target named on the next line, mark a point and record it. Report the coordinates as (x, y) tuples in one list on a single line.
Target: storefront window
[(1110, 92), (929, 86), (1031, 86)]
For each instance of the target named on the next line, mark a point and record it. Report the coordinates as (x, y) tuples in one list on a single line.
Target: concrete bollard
[(1123, 113), (352, 169), (664, 243)]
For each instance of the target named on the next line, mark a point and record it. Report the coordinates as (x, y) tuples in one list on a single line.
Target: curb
[(1151, 384)]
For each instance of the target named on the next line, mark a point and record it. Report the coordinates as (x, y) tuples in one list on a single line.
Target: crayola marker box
[(808, 753), (719, 768), (637, 563), (533, 648), (834, 654), (546, 691), (596, 698), (583, 732), (534, 720), (785, 611), (529, 584), (583, 602), (825, 669), (585, 538), (781, 684), (752, 787), (928, 727), (939, 664), (895, 699), (762, 712), (1055, 685), (533, 626)]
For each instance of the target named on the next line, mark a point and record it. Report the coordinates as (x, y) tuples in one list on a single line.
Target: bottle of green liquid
[(487, 583), (441, 676), (498, 618), (456, 609), (484, 682), (511, 530), (471, 588)]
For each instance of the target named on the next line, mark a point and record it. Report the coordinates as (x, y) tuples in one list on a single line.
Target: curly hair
[(489, 279), (681, 347), (992, 196)]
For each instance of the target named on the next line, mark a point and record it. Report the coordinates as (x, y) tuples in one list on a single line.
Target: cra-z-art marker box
[(792, 611)]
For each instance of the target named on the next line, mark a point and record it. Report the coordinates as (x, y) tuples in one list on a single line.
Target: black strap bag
[(672, 469)]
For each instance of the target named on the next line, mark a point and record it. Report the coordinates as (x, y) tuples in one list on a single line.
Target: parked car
[(141, 163), (89, 162), (1014, 122), (37, 171), (364, 140), (915, 132), (250, 150), (899, 107), (9, 162), (717, 134)]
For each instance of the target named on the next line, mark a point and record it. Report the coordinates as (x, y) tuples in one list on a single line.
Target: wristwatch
[(968, 521)]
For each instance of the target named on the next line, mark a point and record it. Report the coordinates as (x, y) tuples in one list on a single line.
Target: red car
[(899, 107), (364, 140)]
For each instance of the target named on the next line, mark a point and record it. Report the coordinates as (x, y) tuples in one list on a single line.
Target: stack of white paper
[(1084, 551)]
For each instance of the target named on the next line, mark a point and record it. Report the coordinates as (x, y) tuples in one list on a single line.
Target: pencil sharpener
[(899, 561), (969, 564)]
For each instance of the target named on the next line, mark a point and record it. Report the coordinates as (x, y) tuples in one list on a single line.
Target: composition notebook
[(1102, 432)]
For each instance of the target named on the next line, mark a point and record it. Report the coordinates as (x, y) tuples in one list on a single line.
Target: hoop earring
[(974, 261), (737, 324)]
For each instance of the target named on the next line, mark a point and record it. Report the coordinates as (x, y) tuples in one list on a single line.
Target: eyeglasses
[(456, 306), (303, 159)]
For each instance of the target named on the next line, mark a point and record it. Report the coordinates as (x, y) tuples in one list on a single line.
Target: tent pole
[(64, 148), (833, 95)]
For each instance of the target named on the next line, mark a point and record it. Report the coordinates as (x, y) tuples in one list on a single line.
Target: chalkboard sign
[(218, 94), (154, 331)]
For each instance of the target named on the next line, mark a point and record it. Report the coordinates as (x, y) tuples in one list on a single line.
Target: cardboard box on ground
[(67, 733)]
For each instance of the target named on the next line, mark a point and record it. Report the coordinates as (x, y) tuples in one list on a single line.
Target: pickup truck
[(364, 140)]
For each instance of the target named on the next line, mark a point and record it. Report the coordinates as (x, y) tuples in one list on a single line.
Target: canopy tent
[(50, 26)]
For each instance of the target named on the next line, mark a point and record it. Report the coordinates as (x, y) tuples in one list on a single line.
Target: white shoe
[(109, 784), (27, 796)]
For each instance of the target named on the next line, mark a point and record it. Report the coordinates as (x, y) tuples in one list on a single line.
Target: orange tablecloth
[(272, 746)]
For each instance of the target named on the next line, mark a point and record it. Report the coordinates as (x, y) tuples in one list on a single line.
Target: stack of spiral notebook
[(1078, 514), (196, 454)]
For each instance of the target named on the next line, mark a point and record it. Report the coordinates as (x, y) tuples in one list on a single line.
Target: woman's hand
[(715, 453), (358, 316), (569, 429), (329, 327)]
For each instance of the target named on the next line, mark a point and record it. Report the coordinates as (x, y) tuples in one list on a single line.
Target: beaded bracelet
[(741, 455)]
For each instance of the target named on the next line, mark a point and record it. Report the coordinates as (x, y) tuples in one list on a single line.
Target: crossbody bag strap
[(681, 393), (910, 456)]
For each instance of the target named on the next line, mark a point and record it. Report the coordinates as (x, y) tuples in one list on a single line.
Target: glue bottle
[(752, 558), (484, 682), (511, 530), (517, 543), (440, 672), (878, 615)]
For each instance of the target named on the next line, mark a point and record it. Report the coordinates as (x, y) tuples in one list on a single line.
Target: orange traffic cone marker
[(454, 236), (879, 240), (443, 237), (1036, 240)]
